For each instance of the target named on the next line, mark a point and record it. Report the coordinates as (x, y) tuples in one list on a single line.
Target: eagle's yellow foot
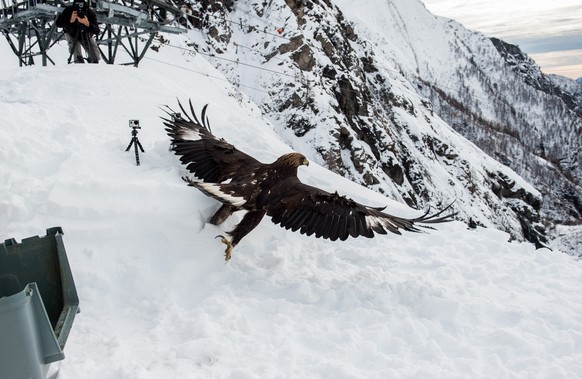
[(228, 251)]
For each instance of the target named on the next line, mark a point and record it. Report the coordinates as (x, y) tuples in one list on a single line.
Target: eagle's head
[(293, 160)]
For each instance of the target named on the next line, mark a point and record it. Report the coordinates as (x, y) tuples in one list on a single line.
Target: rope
[(203, 73)]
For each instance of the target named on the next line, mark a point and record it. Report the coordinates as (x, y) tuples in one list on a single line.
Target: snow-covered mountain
[(566, 89), (375, 90)]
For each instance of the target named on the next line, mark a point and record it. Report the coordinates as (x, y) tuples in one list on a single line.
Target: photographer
[(79, 23)]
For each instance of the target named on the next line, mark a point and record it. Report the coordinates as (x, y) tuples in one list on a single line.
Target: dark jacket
[(64, 21)]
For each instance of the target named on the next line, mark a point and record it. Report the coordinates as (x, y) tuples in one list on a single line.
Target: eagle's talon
[(228, 250)]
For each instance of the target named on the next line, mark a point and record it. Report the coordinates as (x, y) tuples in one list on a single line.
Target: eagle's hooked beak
[(305, 162)]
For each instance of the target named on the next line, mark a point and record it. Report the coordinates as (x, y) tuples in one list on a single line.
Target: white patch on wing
[(372, 221), (215, 190), (385, 223), (190, 135)]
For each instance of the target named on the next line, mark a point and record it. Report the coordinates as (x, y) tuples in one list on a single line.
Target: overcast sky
[(548, 31)]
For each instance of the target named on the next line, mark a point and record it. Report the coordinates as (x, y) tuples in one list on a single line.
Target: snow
[(158, 300)]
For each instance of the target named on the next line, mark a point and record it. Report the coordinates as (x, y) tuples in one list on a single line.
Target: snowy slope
[(158, 300)]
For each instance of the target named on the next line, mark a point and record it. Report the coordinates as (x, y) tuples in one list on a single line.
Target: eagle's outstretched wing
[(311, 210), (210, 159)]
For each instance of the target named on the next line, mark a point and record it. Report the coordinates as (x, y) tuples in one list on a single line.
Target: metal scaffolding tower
[(30, 29)]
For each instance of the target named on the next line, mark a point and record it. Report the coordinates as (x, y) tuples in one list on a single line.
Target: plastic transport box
[(38, 303)]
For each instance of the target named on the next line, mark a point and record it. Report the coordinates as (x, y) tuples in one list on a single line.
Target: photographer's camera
[(79, 6)]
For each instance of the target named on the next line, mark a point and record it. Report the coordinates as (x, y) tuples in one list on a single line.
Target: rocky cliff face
[(559, 180), (567, 90), (380, 93), (525, 119)]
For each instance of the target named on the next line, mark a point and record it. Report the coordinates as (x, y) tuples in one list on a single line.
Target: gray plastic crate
[(38, 304)]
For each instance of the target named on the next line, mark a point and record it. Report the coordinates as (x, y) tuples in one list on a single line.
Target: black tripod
[(134, 124), (75, 42), (82, 37)]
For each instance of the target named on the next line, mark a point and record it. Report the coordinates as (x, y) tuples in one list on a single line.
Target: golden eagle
[(240, 182)]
